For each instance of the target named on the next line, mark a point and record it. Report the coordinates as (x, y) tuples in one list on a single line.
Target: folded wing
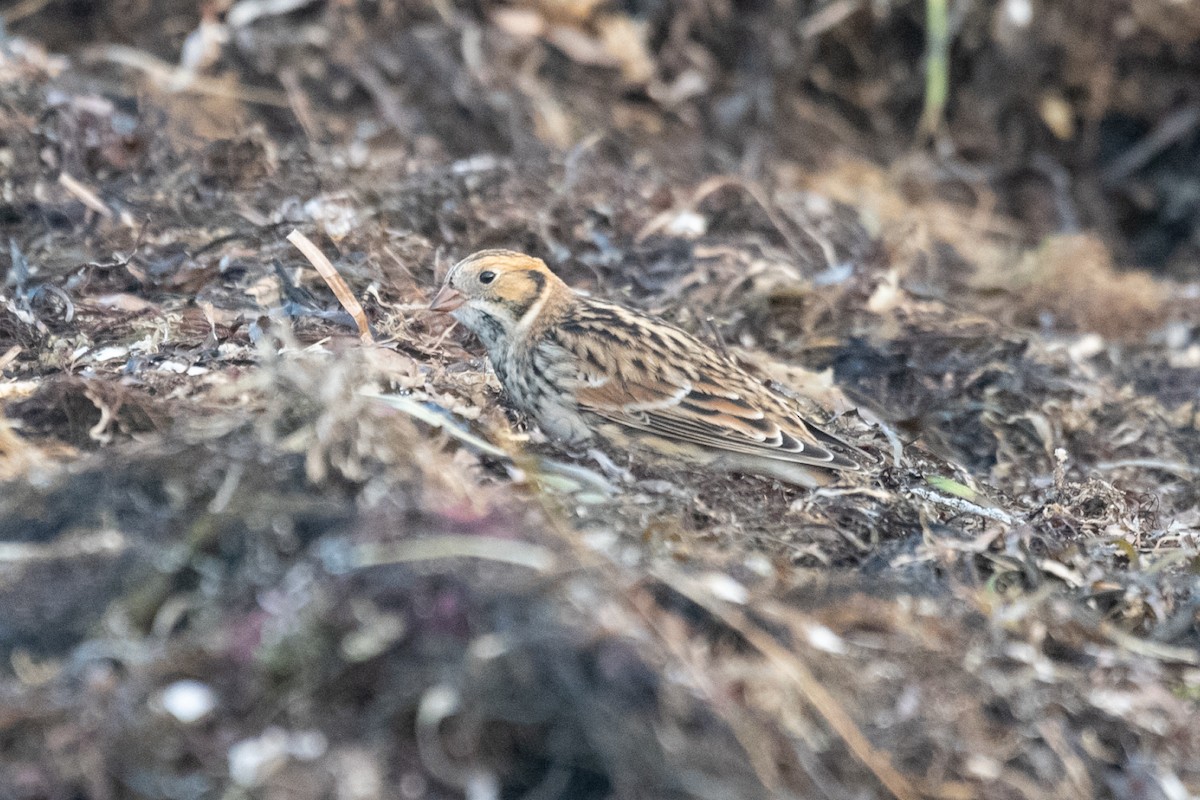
[(666, 383)]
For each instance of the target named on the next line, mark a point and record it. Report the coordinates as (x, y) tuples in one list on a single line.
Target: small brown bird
[(586, 369)]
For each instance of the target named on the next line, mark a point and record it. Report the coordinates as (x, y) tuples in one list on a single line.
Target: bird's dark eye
[(487, 276)]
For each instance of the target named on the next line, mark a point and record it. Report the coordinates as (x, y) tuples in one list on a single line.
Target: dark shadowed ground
[(245, 554)]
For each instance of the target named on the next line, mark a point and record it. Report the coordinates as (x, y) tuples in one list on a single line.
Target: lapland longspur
[(585, 370)]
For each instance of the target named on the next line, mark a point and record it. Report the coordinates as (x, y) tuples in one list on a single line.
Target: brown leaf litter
[(245, 550)]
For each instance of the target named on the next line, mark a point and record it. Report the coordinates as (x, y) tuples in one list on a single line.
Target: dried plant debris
[(268, 528)]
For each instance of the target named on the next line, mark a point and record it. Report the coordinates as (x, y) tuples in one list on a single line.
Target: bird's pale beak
[(447, 300)]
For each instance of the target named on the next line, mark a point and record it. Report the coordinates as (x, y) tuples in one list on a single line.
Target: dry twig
[(84, 194), (335, 282)]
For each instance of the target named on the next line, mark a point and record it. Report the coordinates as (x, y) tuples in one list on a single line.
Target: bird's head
[(497, 293)]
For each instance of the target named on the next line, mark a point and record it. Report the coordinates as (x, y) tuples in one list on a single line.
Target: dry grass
[(417, 596)]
